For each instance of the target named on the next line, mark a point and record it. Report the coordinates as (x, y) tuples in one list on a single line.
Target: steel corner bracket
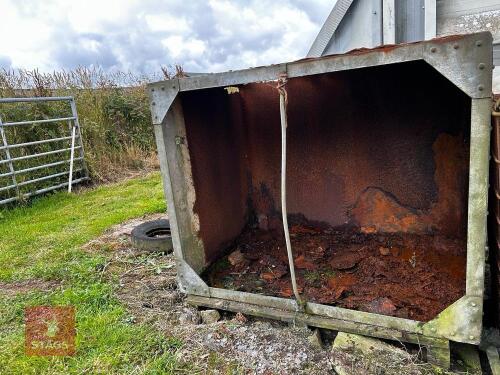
[(161, 97), (465, 60), (189, 281), (461, 321)]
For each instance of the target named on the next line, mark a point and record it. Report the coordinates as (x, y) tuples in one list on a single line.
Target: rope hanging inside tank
[(282, 81)]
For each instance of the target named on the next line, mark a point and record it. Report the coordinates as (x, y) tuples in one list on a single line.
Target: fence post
[(76, 124), (72, 157), (9, 159)]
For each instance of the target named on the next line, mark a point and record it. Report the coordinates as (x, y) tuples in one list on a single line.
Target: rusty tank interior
[(377, 176)]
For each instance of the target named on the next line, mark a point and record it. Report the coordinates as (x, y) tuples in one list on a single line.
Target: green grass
[(44, 241)]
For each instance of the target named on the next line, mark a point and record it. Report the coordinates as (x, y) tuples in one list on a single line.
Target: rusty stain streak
[(380, 210), (383, 48)]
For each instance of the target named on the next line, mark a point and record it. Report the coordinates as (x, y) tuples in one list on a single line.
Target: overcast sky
[(142, 35)]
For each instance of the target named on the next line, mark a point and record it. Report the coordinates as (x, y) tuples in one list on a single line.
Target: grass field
[(43, 243)]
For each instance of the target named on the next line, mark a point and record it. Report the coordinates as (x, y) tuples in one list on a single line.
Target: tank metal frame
[(467, 62)]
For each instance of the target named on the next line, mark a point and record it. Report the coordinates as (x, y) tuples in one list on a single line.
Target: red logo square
[(50, 331)]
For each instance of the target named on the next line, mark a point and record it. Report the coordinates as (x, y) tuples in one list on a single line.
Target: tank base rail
[(438, 350)]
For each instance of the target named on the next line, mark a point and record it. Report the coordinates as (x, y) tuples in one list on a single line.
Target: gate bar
[(41, 191), (36, 99), (37, 121), (72, 156), (46, 177), (35, 142), (37, 168), (38, 179), (37, 155)]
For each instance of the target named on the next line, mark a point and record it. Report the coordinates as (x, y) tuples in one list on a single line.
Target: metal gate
[(27, 172)]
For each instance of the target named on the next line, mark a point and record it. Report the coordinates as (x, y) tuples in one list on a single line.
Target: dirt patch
[(406, 275), (146, 280), (260, 347), (14, 288), (120, 232)]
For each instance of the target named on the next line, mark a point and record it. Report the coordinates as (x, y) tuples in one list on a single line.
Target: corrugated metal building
[(370, 23)]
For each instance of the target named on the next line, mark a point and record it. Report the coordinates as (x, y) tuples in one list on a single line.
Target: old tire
[(153, 235)]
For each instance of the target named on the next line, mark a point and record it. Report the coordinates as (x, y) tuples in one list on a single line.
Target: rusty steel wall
[(217, 148), (362, 149)]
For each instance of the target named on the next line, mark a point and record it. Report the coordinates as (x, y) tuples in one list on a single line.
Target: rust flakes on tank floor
[(418, 278)]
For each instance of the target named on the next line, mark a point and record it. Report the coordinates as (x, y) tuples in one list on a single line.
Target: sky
[(142, 35)]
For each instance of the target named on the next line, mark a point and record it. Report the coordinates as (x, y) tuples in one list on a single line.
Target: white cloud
[(141, 35), (182, 48), (167, 22)]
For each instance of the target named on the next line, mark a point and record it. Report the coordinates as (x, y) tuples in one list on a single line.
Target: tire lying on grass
[(153, 236)]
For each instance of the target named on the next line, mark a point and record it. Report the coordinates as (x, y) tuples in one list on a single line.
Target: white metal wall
[(369, 23), (365, 12), (410, 20)]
